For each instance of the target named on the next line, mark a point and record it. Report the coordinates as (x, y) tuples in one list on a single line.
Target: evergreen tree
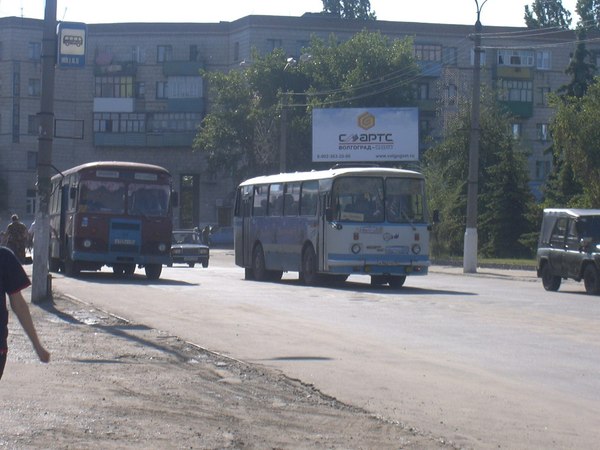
[(546, 14), (506, 205), (581, 71), (589, 13), (349, 9)]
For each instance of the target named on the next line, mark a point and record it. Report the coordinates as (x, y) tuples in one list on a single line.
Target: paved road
[(485, 360)]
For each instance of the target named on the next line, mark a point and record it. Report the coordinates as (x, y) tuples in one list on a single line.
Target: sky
[(493, 12)]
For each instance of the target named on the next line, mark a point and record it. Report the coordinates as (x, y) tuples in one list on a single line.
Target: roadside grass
[(508, 263)]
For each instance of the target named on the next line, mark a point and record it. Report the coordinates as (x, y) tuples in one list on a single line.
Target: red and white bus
[(116, 214), (330, 224)]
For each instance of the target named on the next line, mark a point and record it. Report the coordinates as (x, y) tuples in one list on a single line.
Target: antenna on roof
[(65, 13)]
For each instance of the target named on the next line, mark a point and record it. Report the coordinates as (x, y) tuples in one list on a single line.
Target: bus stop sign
[(71, 44)]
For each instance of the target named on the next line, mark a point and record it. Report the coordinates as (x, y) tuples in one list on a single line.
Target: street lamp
[(470, 243)]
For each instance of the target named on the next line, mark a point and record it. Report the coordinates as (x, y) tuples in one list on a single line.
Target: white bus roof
[(575, 212), (330, 173)]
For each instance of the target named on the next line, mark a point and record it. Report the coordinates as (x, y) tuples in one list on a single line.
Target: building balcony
[(151, 139), (182, 68), (523, 110)]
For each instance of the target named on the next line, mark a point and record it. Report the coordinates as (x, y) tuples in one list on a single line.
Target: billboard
[(365, 134)]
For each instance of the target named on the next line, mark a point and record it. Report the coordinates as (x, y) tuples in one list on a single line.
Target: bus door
[(65, 198), (243, 241)]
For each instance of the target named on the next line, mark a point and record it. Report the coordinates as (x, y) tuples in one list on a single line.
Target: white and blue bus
[(330, 224)]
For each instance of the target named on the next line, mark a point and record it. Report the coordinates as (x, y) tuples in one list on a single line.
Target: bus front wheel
[(396, 281), (309, 267), (153, 271)]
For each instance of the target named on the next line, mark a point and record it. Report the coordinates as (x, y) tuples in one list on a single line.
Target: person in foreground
[(13, 280)]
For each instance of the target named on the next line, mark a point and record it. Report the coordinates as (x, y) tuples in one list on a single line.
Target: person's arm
[(19, 306)]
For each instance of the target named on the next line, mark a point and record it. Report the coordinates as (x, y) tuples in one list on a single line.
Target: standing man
[(17, 237), (13, 280)]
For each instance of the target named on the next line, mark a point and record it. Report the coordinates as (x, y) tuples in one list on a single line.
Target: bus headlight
[(416, 249), (162, 247), (355, 248), (87, 243)]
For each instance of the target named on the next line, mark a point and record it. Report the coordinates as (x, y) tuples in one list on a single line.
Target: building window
[(516, 91), (425, 52), (32, 158), (184, 87), (119, 123), (543, 131), (543, 96), (423, 91), (236, 52), (113, 87), (452, 94), (34, 51), (161, 89), (136, 54), (140, 90), (516, 130), (164, 53), (516, 58), (194, 52), (30, 202), (542, 59), (32, 124), (34, 88), (273, 44), (542, 169), (450, 56)]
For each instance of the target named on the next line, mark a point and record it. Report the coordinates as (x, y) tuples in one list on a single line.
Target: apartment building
[(140, 96)]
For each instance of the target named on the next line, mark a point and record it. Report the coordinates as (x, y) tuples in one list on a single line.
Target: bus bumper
[(373, 266), (115, 258)]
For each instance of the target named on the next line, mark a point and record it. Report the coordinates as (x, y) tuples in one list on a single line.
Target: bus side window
[(260, 201), (309, 198), (276, 200), (291, 199)]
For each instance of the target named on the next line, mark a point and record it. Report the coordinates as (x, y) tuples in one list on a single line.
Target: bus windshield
[(404, 200), (148, 199), (369, 199), (102, 196)]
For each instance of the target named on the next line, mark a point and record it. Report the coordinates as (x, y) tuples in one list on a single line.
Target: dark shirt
[(12, 279)]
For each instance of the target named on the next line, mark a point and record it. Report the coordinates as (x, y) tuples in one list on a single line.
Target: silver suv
[(569, 247)]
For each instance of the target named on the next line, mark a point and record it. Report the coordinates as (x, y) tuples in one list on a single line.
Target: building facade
[(140, 96)]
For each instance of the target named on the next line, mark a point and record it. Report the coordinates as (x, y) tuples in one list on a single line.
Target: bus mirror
[(73, 193), (174, 199), (436, 216)]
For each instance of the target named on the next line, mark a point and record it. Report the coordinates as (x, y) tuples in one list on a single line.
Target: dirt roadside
[(114, 384)]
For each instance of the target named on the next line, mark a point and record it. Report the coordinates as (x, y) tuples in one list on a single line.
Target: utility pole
[(470, 243), (41, 287)]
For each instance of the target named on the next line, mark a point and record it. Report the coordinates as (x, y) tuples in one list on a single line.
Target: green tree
[(546, 14), (241, 133), (563, 188), (581, 71), (349, 9), (576, 133), (506, 205)]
